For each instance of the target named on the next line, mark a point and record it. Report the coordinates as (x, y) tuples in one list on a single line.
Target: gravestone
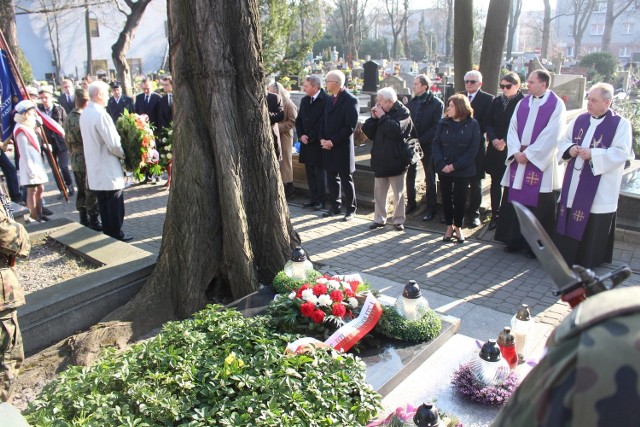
[(296, 97), (570, 88), (357, 73), (371, 73), (398, 84)]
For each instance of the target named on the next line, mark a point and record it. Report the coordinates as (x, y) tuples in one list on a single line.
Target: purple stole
[(532, 181), (575, 224)]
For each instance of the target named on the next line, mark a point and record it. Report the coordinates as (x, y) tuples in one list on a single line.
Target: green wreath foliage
[(392, 325), (284, 284)]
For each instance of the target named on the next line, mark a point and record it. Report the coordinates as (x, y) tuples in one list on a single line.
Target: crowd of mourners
[(568, 175)]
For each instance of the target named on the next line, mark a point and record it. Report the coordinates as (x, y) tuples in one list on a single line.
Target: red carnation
[(302, 288), (317, 316), (339, 310), (354, 285), (349, 293), (307, 309), (319, 290), (336, 296)]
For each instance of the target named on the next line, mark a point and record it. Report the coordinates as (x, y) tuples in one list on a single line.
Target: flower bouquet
[(166, 147), (138, 142), (318, 308), (466, 383)]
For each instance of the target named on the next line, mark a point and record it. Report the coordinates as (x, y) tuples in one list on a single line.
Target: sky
[(484, 4)]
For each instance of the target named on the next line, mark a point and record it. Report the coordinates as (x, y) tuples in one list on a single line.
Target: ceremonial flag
[(9, 95), (50, 124)]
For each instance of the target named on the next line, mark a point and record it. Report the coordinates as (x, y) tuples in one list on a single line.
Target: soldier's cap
[(115, 85), (24, 106), (32, 91), (46, 89)]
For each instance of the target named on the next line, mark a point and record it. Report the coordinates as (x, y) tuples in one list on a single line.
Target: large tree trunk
[(227, 225), (449, 32), (495, 34), (462, 41), (610, 18), (121, 46), (8, 24)]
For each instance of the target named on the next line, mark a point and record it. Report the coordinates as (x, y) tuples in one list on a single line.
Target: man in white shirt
[(595, 146), (532, 169), (102, 152)]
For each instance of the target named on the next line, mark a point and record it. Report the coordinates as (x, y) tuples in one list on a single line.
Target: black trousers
[(496, 194), (430, 181), (342, 182), (475, 197), (111, 206), (317, 181), (10, 173), (454, 196)]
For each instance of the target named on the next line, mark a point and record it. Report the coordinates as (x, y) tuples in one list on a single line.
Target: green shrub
[(603, 63), (284, 284), (630, 109), (215, 369), (393, 325)]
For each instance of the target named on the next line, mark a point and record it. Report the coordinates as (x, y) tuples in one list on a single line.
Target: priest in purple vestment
[(532, 172), (595, 147)]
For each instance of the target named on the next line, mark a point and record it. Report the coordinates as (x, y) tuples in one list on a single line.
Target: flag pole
[(48, 147)]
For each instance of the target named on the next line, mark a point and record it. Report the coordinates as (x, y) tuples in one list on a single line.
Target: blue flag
[(9, 94)]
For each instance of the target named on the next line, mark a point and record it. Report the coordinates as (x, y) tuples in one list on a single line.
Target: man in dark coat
[(276, 114), (481, 104), (426, 112), (66, 98), (57, 142), (118, 102), (147, 103), (308, 123), (336, 140), (165, 108)]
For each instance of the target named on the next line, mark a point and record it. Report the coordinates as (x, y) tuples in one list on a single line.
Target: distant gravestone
[(570, 88), (370, 79), (357, 73), (398, 84), (296, 97)]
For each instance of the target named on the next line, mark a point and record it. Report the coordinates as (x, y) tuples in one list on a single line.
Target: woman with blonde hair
[(285, 128), (455, 145)]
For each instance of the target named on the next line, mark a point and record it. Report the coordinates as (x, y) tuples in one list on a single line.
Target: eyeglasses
[(470, 82), (507, 86), (331, 81)]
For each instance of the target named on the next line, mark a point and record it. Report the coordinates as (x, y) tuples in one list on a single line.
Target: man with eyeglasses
[(532, 169), (336, 140), (481, 104)]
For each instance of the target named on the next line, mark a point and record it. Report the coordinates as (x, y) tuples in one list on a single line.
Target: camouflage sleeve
[(14, 239)]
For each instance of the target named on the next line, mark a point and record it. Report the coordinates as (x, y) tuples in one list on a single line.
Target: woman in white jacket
[(32, 172)]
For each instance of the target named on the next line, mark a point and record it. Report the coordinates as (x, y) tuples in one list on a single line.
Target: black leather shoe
[(492, 225), (348, 217), (399, 227), (46, 211), (475, 222), (309, 205), (44, 218), (331, 212), (126, 238), (411, 207), (375, 226), (428, 217), (318, 206)]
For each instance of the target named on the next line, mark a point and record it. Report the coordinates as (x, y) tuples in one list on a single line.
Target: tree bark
[(462, 41), (449, 32), (546, 29), (495, 34), (582, 10), (121, 46), (8, 24), (227, 225)]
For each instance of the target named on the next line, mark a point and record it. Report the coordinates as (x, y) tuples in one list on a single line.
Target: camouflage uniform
[(590, 375), (14, 241), (86, 200)]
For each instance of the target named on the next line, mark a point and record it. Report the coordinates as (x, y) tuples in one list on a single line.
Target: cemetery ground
[(476, 282)]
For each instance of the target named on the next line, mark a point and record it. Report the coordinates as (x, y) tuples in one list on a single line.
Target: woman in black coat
[(455, 146), (502, 109)]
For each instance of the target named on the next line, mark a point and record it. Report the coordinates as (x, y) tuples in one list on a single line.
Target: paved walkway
[(478, 272)]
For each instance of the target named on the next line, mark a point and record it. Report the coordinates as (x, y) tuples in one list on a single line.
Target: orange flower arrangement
[(138, 142)]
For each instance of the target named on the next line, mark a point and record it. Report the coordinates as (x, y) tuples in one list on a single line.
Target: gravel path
[(49, 263)]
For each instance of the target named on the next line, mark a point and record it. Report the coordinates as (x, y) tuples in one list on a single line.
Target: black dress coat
[(481, 103), (165, 113), (151, 109), (67, 105), (498, 128), (116, 109), (308, 122), (388, 134), (340, 122), (456, 143), (425, 116)]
